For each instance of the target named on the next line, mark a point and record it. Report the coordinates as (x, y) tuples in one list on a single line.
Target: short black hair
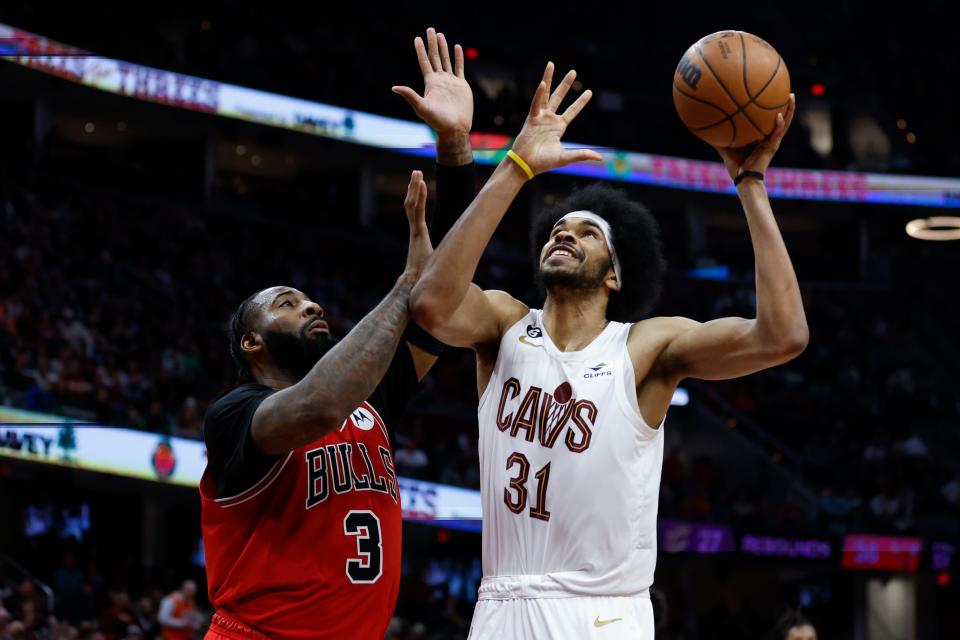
[(239, 325), (792, 618), (636, 240)]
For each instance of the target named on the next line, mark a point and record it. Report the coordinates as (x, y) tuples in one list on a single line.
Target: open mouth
[(563, 251)]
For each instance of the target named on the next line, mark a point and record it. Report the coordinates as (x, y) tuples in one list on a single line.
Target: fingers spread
[(444, 53), (425, 67), (539, 97), (433, 51), (574, 109), (458, 61), (581, 155), (548, 75), (562, 90), (408, 94)]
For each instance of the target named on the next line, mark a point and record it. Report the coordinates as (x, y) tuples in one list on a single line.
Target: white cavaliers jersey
[(570, 472)]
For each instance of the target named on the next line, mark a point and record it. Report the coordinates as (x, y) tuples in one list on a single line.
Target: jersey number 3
[(538, 509), (368, 568)]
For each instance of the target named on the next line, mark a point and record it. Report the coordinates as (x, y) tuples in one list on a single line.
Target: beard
[(573, 280), (296, 353)]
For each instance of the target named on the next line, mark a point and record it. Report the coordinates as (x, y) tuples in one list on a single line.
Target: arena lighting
[(935, 228), (202, 95), (681, 397), (818, 89)]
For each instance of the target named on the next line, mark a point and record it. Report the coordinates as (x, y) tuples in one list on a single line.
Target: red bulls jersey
[(313, 549), (305, 545)]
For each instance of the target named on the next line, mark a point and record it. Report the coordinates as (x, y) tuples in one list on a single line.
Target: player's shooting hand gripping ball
[(757, 157)]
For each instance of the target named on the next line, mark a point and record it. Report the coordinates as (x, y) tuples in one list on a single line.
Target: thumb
[(408, 94), (581, 155)]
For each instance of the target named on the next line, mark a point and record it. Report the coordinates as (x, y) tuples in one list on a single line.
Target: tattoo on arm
[(340, 381), (454, 150), (347, 375)]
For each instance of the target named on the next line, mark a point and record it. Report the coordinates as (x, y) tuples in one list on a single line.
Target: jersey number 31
[(518, 484)]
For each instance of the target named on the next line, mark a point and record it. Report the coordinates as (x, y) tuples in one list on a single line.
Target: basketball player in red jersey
[(301, 508)]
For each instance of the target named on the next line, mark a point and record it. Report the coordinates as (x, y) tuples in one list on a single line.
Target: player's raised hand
[(538, 143), (447, 101), (757, 157), (415, 206)]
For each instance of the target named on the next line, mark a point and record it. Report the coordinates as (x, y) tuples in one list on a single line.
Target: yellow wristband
[(520, 163)]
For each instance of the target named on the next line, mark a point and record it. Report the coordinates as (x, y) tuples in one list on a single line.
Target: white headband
[(607, 236)]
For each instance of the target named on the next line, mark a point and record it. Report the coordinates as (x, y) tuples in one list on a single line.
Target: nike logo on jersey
[(602, 623), (526, 341)]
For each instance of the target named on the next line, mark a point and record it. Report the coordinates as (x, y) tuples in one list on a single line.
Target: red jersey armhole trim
[(257, 489)]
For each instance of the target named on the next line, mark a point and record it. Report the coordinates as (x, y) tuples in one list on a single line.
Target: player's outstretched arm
[(349, 373), (733, 347), (445, 302), (447, 101)]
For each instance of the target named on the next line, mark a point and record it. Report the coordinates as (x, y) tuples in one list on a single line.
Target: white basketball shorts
[(518, 608)]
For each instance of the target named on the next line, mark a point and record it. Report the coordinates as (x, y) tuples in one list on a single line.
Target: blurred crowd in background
[(113, 311), (117, 278)]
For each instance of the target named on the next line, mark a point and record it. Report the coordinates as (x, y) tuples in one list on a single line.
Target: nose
[(565, 236), (313, 309)]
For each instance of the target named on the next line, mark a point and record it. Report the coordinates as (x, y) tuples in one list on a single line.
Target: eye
[(286, 302), (591, 234)]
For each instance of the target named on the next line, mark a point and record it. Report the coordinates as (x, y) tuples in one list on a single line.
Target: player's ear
[(611, 281), (251, 342)]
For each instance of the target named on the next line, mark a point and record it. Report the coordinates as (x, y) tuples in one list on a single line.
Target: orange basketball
[(729, 88)]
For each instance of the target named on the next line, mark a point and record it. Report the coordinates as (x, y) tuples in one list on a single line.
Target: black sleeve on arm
[(418, 336), (456, 189), (234, 460), (398, 388)]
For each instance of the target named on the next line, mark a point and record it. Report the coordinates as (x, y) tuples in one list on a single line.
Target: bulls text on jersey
[(351, 466)]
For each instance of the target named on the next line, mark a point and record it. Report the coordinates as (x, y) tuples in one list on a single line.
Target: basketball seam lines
[(706, 102), (746, 87), (727, 91), (752, 101), (727, 117)]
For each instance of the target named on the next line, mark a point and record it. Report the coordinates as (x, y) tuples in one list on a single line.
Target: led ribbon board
[(36, 437), (678, 536), (889, 553), (232, 101), (49, 439)]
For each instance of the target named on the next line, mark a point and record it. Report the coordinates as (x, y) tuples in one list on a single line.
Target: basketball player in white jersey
[(573, 397)]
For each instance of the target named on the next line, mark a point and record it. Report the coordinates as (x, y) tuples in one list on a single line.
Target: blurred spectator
[(178, 615), (118, 617), (146, 618), (794, 626), (410, 459)]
